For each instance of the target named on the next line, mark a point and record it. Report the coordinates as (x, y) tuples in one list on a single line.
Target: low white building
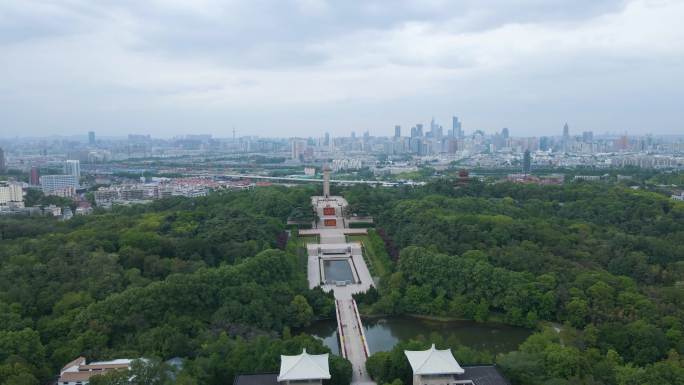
[(303, 369), (309, 369), (439, 367), (433, 366), (78, 372)]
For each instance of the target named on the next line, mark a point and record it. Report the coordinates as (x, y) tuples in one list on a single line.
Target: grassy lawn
[(374, 253), (297, 246)]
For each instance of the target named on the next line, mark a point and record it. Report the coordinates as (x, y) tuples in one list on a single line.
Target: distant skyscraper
[(622, 143), (504, 133), (91, 138), (416, 145), (2, 161), (566, 138), (397, 131), (527, 162), (419, 129), (587, 136), (35, 176), (73, 167), (438, 132), (456, 127), (435, 129), (326, 142), (544, 143), (353, 135), (298, 148)]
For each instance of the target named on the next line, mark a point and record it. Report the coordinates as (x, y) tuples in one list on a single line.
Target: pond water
[(337, 270), (384, 333)]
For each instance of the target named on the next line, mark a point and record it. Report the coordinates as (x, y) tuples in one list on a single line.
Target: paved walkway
[(333, 244), (354, 341)]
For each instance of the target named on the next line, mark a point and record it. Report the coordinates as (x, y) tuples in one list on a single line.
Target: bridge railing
[(361, 330), (340, 331)]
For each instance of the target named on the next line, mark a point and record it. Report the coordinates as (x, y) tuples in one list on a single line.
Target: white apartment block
[(11, 193), (58, 184)]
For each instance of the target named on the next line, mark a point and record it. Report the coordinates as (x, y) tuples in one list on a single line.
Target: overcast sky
[(303, 67)]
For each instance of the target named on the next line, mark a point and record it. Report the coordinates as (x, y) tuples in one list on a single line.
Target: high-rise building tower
[(73, 167), (504, 133), (527, 162), (566, 131), (397, 131), (326, 141), (419, 129), (456, 128), (298, 148), (34, 179), (91, 138), (435, 129), (2, 161)]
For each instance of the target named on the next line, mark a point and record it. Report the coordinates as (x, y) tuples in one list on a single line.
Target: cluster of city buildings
[(473, 149), (500, 148), (69, 167), (159, 188), (63, 185)]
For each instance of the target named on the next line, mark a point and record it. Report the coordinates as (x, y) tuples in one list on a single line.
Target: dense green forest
[(597, 269), (209, 279), (604, 262)]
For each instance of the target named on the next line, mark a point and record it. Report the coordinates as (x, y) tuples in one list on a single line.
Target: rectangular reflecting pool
[(337, 270)]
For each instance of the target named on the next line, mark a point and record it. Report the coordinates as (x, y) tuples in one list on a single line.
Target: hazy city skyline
[(303, 68)]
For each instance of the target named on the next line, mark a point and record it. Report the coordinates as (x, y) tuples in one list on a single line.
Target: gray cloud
[(303, 66)]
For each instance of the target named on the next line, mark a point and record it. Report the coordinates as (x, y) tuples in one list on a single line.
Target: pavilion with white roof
[(304, 369), (434, 366)]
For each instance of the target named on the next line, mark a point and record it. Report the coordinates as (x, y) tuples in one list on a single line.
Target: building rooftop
[(79, 370), (433, 361), (256, 379), (304, 367), (484, 375)]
